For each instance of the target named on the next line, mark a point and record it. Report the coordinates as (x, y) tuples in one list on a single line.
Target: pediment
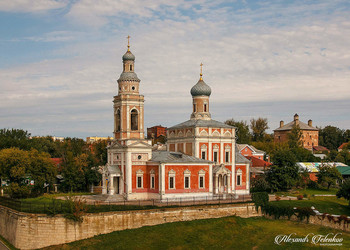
[(139, 144), (115, 144), (221, 169)]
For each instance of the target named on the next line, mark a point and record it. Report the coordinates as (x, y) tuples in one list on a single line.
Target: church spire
[(201, 74)]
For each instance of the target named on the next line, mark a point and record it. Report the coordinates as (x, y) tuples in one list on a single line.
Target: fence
[(58, 206)]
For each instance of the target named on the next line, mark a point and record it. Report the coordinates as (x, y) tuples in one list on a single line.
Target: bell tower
[(200, 96), (128, 104)]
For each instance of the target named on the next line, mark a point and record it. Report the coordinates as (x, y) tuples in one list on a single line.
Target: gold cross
[(128, 37), (201, 74)]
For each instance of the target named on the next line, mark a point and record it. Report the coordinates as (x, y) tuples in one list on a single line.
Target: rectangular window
[(187, 182), (215, 156), (203, 155), (201, 181), (227, 156), (139, 182), (171, 182), (205, 107), (152, 181), (194, 107), (239, 177)]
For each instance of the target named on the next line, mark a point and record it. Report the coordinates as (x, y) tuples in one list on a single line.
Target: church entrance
[(116, 184), (221, 179)]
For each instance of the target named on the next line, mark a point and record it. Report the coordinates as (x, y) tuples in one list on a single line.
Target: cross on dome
[(128, 37), (201, 74)]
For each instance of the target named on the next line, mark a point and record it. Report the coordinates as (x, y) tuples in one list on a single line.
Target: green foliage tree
[(18, 138), (258, 127), (260, 185), (331, 137), (294, 137), (328, 175), (284, 174), (17, 166), (344, 190), (242, 131)]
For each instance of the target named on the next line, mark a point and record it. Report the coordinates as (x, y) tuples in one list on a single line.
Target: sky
[(60, 61)]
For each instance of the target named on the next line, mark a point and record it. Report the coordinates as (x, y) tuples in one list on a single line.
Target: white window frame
[(187, 174), (152, 175), (239, 176), (201, 174), (139, 173), (172, 174), (228, 150), (204, 149)]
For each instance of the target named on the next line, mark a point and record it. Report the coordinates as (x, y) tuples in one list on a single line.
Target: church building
[(201, 159)]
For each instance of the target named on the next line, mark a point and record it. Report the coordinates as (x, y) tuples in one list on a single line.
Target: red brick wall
[(244, 177), (146, 179), (179, 178)]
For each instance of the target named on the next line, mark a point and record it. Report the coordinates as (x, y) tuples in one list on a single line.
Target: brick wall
[(28, 231)]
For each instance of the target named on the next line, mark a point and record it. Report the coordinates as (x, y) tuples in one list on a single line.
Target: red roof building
[(341, 147)]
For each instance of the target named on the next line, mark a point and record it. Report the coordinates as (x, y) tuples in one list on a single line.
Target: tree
[(18, 138), (331, 137), (18, 167), (328, 175), (344, 190), (284, 174), (294, 137), (258, 127), (242, 131)]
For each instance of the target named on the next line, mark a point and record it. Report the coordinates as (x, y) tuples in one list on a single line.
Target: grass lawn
[(309, 192), (324, 204), (223, 233)]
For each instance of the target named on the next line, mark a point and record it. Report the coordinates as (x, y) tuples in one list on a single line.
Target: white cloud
[(31, 5)]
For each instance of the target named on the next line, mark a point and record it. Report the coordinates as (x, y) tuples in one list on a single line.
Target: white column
[(248, 177), (210, 151), (233, 162), (111, 186), (128, 174), (161, 180), (210, 178), (222, 160), (216, 183), (228, 183), (104, 184)]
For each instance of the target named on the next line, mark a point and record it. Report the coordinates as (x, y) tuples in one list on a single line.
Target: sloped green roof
[(344, 170)]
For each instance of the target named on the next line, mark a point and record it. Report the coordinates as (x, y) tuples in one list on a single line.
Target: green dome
[(128, 56), (201, 88)]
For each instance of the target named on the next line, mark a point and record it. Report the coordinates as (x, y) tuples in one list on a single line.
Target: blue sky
[(60, 59)]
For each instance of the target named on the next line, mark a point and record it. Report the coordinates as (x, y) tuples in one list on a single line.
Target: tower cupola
[(200, 95)]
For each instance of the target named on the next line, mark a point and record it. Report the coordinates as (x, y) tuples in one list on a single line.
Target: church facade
[(201, 159)]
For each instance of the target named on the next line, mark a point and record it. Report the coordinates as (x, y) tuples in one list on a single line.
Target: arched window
[(130, 67), (117, 120), (194, 107), (134, 120), (205, 107)]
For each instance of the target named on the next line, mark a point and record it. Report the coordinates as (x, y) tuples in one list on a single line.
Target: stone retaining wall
[(28, 231)]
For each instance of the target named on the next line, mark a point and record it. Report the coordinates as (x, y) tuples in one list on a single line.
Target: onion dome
[(201, 88), (128, 76), (128, 56)]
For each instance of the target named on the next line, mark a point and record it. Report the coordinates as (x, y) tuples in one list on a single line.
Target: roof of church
[(128, 76), (176, 157), (201, 123), (289, 126)]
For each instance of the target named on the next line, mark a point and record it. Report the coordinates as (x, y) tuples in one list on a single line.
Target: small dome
[(128, 76), (128, 56), (201, 88)]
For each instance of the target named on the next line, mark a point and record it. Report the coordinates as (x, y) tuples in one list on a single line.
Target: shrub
[(260, 199), (77, 208), (278, 211), (260, 185), (18, 192), (300, 197), (304, 212), (313, 185), (305, 195)]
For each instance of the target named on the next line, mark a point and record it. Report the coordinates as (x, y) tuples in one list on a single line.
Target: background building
[(309, 134)]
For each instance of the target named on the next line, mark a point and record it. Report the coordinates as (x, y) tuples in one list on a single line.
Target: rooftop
[(201, 123)]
